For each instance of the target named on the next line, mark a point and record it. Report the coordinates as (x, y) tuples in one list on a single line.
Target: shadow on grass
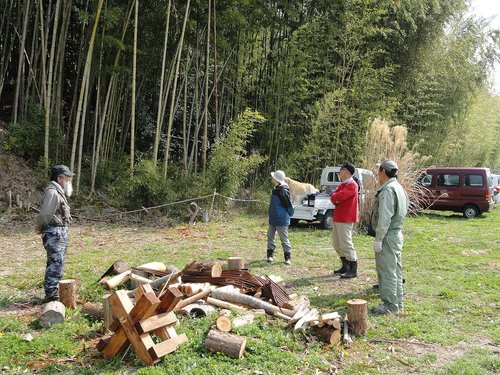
[(447, 215)]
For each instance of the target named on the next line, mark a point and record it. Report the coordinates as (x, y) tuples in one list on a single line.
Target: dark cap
[(389, 165), (351, 168), (58, 170)]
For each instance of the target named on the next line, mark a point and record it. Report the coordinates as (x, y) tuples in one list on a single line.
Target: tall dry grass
[(384, 141)]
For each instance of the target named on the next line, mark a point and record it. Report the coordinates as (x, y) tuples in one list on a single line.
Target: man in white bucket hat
[(280, 210)]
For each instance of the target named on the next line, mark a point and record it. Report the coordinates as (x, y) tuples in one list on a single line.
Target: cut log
[(357, 313), (202, 310), (93, 310), (67, 293), (235, 263), (301, 311), (158, 266), (117, 280), (309, 317), (335, 323), (346, 338), (223, 324), (243, 320), (327, 334), (116, 268), (203, 294), (140, 277), (190, 289), (224, 304), (212, 269), (329, 316), (294, 303), (52, 313), (230, 295), (231, 345)]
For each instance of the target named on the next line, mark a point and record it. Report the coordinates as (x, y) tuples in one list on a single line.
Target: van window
[(473, 180), (426, 180), (447, 179), (333, 177)]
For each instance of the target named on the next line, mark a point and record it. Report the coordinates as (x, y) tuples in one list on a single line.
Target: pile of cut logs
[(158, 292)]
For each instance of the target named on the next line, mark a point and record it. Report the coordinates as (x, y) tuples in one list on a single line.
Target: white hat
[(279, 176)]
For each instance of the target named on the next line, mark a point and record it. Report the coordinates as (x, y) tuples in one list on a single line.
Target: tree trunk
[(328, 334), (86, 73), (205, 126), (134, 75), (160, 96), (20, 63), (174, 89)]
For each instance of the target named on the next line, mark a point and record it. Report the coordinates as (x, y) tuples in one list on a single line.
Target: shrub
[(146, 188), (384, 141)]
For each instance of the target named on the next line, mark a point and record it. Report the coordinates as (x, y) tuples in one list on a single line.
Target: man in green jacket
[(389, 210)]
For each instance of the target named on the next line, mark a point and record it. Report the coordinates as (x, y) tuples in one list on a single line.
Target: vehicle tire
[(328, 220), (294, 222), (471, 211)]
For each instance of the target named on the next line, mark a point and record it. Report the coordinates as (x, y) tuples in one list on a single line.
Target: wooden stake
[(67, 293)]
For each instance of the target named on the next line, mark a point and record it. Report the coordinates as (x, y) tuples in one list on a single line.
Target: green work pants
[(390, 271)]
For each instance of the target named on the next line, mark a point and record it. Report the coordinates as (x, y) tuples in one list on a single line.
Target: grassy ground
[(451, 266)]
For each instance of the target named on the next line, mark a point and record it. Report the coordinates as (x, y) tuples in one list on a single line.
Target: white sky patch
[(489, 9)]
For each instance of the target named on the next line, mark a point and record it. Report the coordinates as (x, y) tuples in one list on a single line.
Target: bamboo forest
[(152, 100)]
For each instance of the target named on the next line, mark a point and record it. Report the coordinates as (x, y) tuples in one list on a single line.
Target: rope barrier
[(146, 209)]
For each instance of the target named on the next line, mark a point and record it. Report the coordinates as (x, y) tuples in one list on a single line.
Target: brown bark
[(357, 312), (67, 293), (231, 345), (328, 334)]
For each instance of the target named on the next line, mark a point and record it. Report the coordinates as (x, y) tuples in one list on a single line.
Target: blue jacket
[(280, 207)]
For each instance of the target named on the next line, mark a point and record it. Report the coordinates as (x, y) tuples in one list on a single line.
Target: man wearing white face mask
[(52, 223)]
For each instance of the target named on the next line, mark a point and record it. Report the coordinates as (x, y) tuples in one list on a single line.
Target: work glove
[(377, 246)]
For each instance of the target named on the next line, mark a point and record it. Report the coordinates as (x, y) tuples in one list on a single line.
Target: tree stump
[(52, 313), (231, 345), (235, 263), (328, 334), (357, 313), (67, 293)]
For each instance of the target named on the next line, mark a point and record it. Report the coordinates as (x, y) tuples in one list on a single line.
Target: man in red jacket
[(345, 199)]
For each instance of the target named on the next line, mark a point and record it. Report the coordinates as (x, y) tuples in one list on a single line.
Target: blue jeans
[(55, 241)]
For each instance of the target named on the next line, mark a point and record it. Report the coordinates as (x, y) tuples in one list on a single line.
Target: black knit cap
[(351, 168)]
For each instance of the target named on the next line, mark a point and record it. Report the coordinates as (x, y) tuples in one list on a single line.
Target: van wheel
[(294, 222), (328, 220), (471, 211)]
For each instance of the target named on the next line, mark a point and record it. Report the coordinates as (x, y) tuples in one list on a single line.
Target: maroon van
[(458, 189)]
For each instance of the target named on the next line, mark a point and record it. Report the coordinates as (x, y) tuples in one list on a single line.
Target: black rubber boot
[(353, 270), (270, 255), (288, 259), (345, 266)]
